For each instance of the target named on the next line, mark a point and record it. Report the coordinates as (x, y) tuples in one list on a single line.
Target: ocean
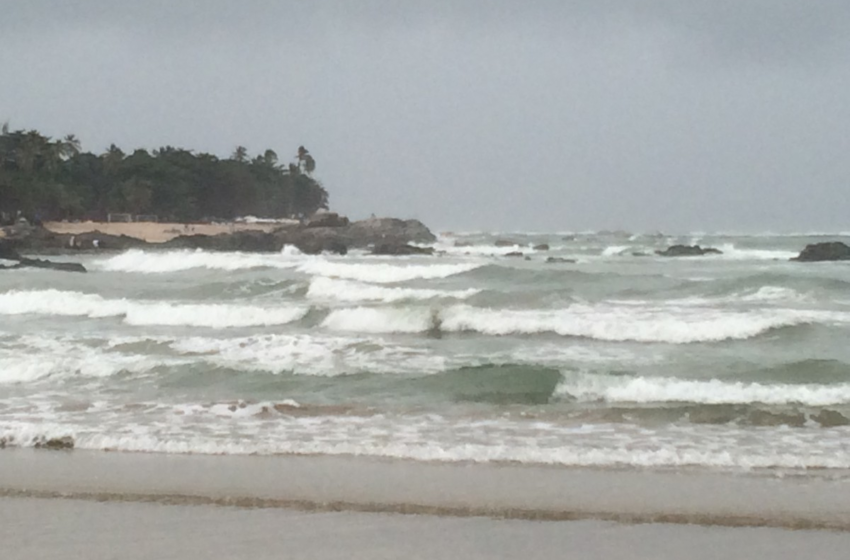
[(612, 358)]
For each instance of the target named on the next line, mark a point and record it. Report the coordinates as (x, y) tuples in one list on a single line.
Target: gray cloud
[(470, 114)]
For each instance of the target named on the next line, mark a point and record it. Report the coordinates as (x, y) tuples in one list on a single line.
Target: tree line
[(46, 179)]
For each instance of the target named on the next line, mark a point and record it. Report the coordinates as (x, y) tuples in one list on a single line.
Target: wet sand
[(157, 232), (365, 485), (61, 529)]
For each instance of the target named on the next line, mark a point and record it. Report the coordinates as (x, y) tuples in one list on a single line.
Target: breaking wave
[(382, 272), (324, 288), (145, 262), (612, 389), (601, 322), (213, 315)]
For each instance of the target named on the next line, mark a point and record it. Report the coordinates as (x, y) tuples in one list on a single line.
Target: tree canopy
[(53, 179)]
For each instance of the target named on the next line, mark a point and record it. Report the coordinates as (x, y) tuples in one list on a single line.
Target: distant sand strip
[(153, 232), (366, 485)]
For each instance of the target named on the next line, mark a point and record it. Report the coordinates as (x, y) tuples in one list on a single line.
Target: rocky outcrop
[(387, 230), (40, 240), (688, 251), (560, 260), (541, 247), (504, 243), (9, 253), (375, 232), (327, 219), (313, 241), (392, 249), (325, 233), (247, 241), (829, 251)]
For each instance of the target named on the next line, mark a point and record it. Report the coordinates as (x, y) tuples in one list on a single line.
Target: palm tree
[(270, 158), (70, 146), (240, 154), (305, 160), (32, 147), (112, 158)]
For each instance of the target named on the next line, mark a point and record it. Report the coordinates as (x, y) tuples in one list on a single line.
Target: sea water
[(613, 357)]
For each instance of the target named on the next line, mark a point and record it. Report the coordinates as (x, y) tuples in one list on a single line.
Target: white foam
[(616, 250), (676, 325), (379, 320), (64, 303), (58, 302), (449, 247), (382, 272), (731, 252), (156, 262), (213, 315), (35, 358), (765, 294), (311, 354), (640, 323), (323, 288), (771, 294), (434, 438), (592, 387)]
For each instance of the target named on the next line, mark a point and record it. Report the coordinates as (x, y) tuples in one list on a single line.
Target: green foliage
[(54, 179)]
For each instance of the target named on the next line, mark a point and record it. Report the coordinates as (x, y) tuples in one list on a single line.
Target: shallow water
[(733, 362)]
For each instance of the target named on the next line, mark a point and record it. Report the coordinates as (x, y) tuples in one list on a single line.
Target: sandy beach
[(67, 528), (154, 232), (328, 483), (102, 505)]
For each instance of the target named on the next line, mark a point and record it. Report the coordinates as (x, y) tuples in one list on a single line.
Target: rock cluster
[(829, 251), (688, 251), (327, 232)]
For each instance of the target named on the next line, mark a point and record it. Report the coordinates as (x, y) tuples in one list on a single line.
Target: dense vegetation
[(49, 179)]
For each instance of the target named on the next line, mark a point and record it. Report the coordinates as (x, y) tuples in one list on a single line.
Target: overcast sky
[(678, 115)]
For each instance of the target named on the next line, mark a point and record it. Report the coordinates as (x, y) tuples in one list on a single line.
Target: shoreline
[(365, 485), (140, 531), (159, 232)]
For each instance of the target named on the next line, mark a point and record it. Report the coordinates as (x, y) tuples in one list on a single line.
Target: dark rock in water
[(393, 249), (97, 240), (313, 241), (829, 251), (640, 254), (66, 442), (327, 219), (41, 240), (505, 243), (514, 254), (542, 247), (463, 244), (249, 241), (688, 251), (37, 263), (387, 230), (9, 253), (560, 260)]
